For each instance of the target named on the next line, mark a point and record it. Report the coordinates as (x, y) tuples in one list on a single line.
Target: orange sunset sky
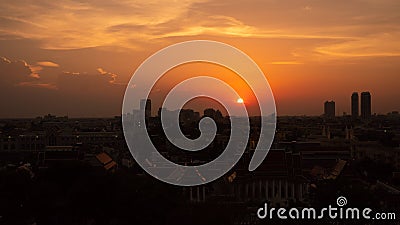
[(75, 58)]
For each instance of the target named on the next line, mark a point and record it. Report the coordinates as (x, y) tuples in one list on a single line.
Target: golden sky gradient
[(76, 57)]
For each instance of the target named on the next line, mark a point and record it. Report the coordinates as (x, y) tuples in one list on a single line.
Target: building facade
[(354, 105), (329, 109), (365, 105)]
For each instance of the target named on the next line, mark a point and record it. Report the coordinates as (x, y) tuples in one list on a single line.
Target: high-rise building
[(365, 105), (354, 105), (145, 104), (329, 109)]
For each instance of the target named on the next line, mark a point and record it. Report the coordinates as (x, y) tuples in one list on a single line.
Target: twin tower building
[(329, 106), (365, 105)]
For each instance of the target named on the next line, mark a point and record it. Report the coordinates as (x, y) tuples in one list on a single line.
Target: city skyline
[(309, 51), (199, 112), (329, 109)]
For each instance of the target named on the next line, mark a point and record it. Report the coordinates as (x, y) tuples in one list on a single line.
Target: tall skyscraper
[(354, 105), (145, 104), (329, 109), (365, 105)]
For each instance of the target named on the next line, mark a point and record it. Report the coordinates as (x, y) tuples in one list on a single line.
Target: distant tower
[(354, 105), (365, 105), (145, 104), (329, 109)]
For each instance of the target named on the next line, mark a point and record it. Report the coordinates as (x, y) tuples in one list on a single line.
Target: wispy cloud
[(132, 24), (385, 44), (38, 85), (55, 23), (112, 75), (4, 59), (286, 63), (23, 74), (338, 30), (35, 69), (47, 64)]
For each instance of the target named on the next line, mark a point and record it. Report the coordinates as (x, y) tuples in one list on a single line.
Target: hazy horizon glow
[(75, 58)]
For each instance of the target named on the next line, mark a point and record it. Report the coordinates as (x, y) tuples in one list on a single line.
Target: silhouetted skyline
[(76, 58)]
